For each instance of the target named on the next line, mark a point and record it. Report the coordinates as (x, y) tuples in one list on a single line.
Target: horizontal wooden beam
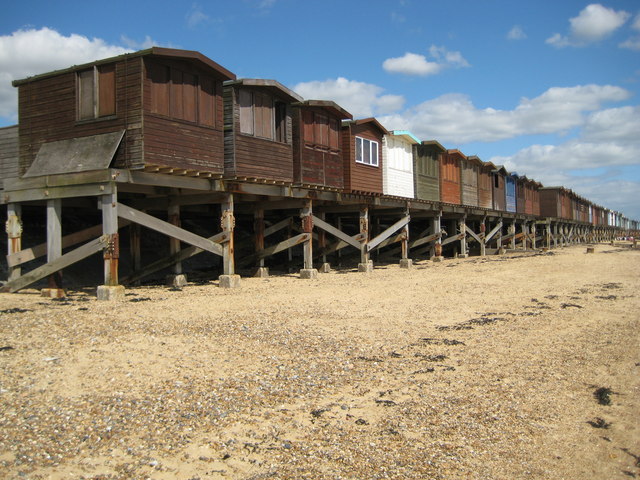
[(64, 261), (50, 193), (277, 248), (167, 228)]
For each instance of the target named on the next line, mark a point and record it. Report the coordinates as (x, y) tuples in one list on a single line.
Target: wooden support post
[(512, 232), (339, 252), (54, 247), (483, 231), (525, 234), (228, 279), (365, 264), (306, 217), (499, 238), (14, 233), (405, 261), (322, 244), (135, 248), (111, 290), (462, 228), (176, 279), (258, 229), (436, 227)]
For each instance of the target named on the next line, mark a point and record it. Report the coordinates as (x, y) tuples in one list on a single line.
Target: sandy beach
[(505, 367)]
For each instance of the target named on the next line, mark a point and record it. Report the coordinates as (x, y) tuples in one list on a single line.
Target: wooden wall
[(485, 189), (510, 194), (357, 176), (498, 187), (426, 170), (550, 202), (469, 175), (317, 160), (48, 112), (450, 188), (179, 133), (521, 195), (251, 156), (397, 166), (8, 153)]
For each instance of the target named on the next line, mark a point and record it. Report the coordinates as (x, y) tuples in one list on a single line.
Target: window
[(96, 92), (320, 131), (366, 151), (262, 116), (182, 95)]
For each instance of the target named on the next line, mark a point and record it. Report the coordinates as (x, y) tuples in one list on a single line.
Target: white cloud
[(454, 118), (25, 53), (416, 64), (516, 33), (633, 43), (592, 24), (131, 44), (195, 16), (359, 98), (608, 141)]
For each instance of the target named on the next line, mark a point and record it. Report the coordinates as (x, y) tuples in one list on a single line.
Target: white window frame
[(370, 144)]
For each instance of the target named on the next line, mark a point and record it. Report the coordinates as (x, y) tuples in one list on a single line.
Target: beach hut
[(522, 185), (450, 176), (317, 143), (555, 202), (397, 163), (158, 109), (258, 130), (485, 188), (8, 153), (510, 192), (426, 168), (469, 172), (362, 146), (498, 183)]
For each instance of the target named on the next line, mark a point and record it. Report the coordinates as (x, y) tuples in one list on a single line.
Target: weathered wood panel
[(450, 178), (498, 186), (485, 190), (550, 202), (8, 153), (426, 170), (510, 194), (469, 177), (521, 195)]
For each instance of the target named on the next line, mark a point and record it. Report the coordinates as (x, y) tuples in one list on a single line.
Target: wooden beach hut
[(555, 202), (521, 193), (498, 181), (317, 143), (485, 188), (450, 176), (362, 145), (8, 153), (397, 163), (469, 172), (158, 109), (258, 136), (510, 192), (426, 169)]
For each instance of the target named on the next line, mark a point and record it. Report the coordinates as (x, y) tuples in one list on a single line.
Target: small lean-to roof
[(434, 143), (500, 170), (475, 159), (407, 135), (489, 166), (272, 86), (455, 151), (187, 55), (363, 121), (333, 107)]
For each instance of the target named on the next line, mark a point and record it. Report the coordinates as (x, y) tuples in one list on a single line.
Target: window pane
[(86, 95), (366, 147), (358, 149), (374, 154)]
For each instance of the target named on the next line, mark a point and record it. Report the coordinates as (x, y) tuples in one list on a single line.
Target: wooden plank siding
[(246, 154), (51, 104), (317, 143), (8, 153), (498, 184), (359, 177), (426, 170), (485, 188), (450, 177), (510, 193), (469, 171), (397, 164), (521, 194)]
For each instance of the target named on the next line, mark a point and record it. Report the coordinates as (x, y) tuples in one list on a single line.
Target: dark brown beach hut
[(362, 146)]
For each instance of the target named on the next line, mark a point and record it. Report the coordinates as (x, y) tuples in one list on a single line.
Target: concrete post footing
[(309, 273), (176, 280), (110, 293), (406, 263), (229, 281), (262, 272)]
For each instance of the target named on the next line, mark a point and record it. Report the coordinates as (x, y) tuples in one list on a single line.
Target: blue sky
[(547, 88)]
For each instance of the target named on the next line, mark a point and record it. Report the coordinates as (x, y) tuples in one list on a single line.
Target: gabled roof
[(407, 135), (273, 86), (363, 121), (188, 55), (455, 151), (434, 143), (475, 159), (333, 107)]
